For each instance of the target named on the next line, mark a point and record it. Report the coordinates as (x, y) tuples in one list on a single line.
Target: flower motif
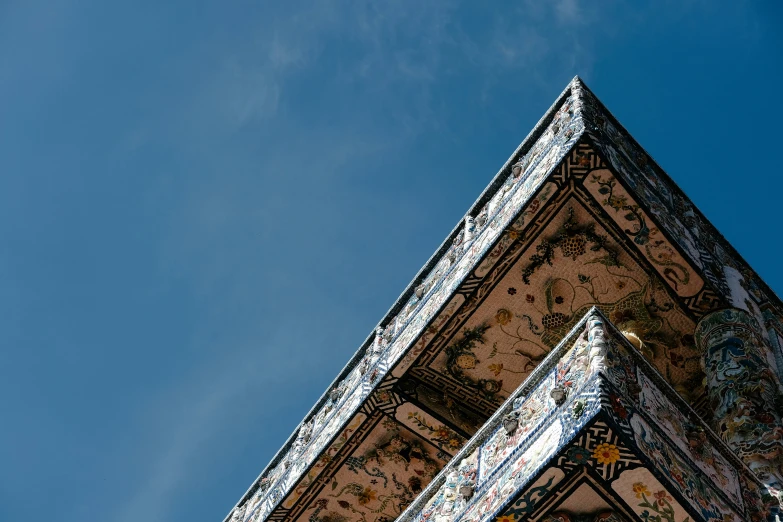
[(661, 497), (496, 368), (530, 298), (617, 202), (513, 234), (640, 489), (559, 299), (466, 361), (534, 205), (443, 432), (606, 453), (512, 291), (617, 406), (579, 455), (506, 518), (490, 386), (383, 396), (503, 317), (679, 478), (455, 443), (367, 496)]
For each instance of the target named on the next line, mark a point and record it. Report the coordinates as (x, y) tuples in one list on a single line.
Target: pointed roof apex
[(577, 88)]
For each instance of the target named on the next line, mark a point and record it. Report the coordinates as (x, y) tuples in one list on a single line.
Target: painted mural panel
[(573, 266), (438, 434), (690, 438), (650, 241), (515, 475), (690, 483), (324, 459), (380, 478), (649, 498)]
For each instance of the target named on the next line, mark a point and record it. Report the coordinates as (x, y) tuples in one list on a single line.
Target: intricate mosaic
[(380, 478), (573, 265), (687, 481), (678, 218), (580, 217), (644, 235), (608, 443), (744, 393), (513, 445), (691, 438)]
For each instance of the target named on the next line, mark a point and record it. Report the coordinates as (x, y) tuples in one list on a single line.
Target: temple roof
[(594, 432), (579, 216)]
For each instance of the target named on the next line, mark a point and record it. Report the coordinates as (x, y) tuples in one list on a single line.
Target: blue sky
[(205, 207)]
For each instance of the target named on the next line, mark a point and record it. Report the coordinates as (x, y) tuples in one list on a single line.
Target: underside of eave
[(770, 294)]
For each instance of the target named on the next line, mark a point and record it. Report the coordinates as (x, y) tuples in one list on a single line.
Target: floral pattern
[(569, 262), (606, 454), (647, 238), (579, 455), (659, 509), (509, 335), (690, 438), (446, 438), (503, 471), (380, 478), (692, 485)]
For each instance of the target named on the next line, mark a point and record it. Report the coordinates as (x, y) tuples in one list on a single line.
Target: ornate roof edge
[(486, 196), (496, 420), (659, 171), (596, 342)]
